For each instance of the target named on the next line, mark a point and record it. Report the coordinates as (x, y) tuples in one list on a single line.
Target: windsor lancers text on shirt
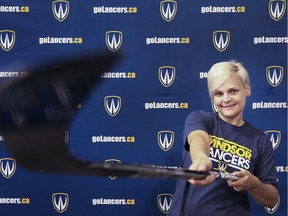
[(231, 153)]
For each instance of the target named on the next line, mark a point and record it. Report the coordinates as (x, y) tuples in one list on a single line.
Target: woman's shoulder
[(252, 129), (256, 133), (201, 117), (202, 113)]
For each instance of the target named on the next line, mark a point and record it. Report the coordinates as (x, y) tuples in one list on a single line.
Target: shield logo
[(60, 9), (274, 137), (168, 9), (164, 202), (114, 40), (277, 9), (166, 75), (165, 139), (8, 167), (112, 104), (112, 161), (274, 75), (274, 209), (7, 39), (60, 201), (221, 40)]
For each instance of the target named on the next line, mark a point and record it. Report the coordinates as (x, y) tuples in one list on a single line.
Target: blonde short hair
[(221, 71)]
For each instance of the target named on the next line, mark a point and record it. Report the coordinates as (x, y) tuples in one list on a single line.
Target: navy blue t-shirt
[(232, 148)]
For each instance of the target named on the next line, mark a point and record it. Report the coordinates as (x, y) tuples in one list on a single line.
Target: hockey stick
[(36, 111)]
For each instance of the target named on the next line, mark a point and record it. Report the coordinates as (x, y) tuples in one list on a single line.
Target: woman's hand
[(203, 163), (246, 181)]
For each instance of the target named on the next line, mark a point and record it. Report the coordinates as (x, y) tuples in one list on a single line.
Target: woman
[(224, 141)]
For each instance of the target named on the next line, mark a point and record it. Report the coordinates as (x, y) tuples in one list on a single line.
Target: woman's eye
[(218, 94)]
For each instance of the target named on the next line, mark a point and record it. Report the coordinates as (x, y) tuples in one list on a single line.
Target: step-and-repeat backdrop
[(137, 114)]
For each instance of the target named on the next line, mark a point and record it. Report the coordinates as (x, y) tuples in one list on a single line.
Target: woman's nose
[(226, 98)]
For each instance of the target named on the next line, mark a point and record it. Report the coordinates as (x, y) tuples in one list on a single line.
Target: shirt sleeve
[(265, 169), (196, 120)]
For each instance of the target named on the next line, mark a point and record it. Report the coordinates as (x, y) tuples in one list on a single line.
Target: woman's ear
[(248, 90)]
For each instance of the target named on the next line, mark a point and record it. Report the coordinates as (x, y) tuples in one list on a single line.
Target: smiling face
[(230, 99), (229, 85)]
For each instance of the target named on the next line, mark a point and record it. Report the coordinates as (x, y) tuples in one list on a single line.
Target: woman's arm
[(264, 194), (199, 149)]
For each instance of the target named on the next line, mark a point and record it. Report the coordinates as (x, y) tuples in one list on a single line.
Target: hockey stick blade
[(36, 111)]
